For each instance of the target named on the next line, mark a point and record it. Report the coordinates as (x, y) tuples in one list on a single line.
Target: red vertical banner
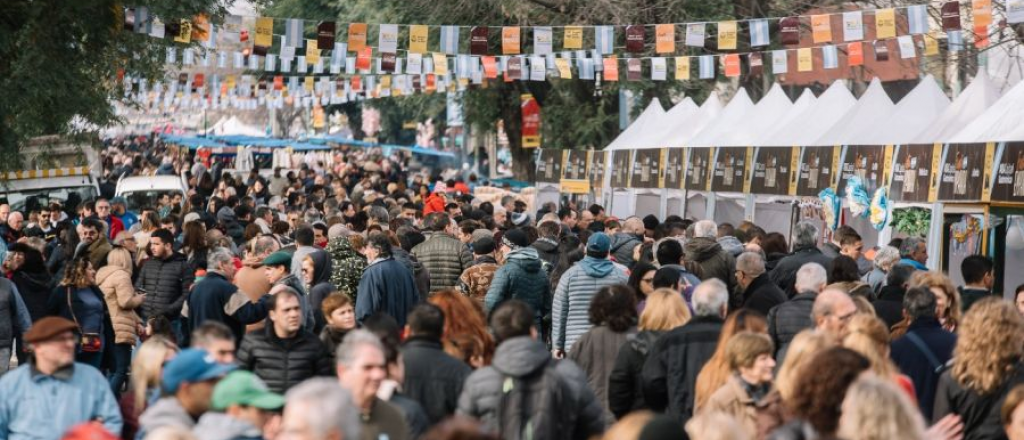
[(531, 121)]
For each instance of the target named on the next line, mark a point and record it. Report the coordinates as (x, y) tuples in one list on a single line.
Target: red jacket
[(434, 203), (116, 226)]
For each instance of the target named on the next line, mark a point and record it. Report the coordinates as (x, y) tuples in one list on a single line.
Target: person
[(316, 274), (347, 265), (79, 300), (15, 320), (215, 298), (476, 280), (914, 253), (276, 269), (547, 245), (284, 354), (613, 317), (465, 337), (804, 347), (979, 276), (217, 340), (925, 349), (669, 253), (195, 247), (576, 288), (832, 311), (759, 292), (844, 274), (303, 247), (868, 336), (885, 259), (30, 276), (361, 368), (876, 410), (386, 285), (749, 358), (789, 318), (387, 330), (520, 277), (187, 385), (320, 409), (670, 371), (714, 261), (432, 377), (986, 366), (889, 305), (115, 281), (805, 250), (166, 279), (443, 255), (103, 212), (623, 242), (241, 408), (1013, 414), (559, 403), (144, 386), (625, 382), (947, 300), (1018, 298), (641, 280), (817, 398), (93, 245), (716, 371), (340, 315), (52, 379)]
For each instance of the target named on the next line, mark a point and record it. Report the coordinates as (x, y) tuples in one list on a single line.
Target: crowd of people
[(358, 300)]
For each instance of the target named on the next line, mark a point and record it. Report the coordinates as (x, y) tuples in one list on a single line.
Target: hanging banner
[(821, 28), (312, 52), (804, 60), (665, 38), (490, 67), (771, 169), (981, 10), (885, 23), (597, 168), (572, 38), (549, 166), (682, 72), (780, 62), (698, 169), (510, 40), (1008, 179), (950, 16), (645, 167), (695, 34), (731, 65), (789, 31), (611, 69), (865, 162), (730, 169), (363, 59), (815, 170), (387, 40), (659, 70), (620, 169), (543, 41), (963, 172), (672, 166), (635, 38), (418, 38), (855, 54), (325, 32), (478, 40), (634, 70), (759, 35), (756, 62), (913, 175), (853, 26), (881, 51), (356, 37), (727, 35), (531, 121)]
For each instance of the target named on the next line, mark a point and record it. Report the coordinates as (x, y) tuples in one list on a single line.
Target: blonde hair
[(147, 368), (940, 280), (715, 425), (867, 335), (716, 371), (986, 349), (874, 409), (120, 257), (802, 349), (629, 427), (664, 310)]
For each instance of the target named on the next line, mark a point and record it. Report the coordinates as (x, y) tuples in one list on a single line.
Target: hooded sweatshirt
[(320, 288), (166, 411), (570, 317), (220, 426), (731, 245), (522, 278)]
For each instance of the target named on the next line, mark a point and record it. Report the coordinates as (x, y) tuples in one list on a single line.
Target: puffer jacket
[(519, 357), (731, 244), (432, 377), (595, 353), (166, 283), (522, 278), (622, 247), (671, 369), (625, 383), (714, 262), (787, 319), (445, 258), (570, 309), (118, 292), (347, 266), (283, 363)]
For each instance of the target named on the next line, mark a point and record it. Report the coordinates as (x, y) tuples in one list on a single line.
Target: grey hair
[(705, 228), (909, 246), (919, 302), (346, 352), (805, 235), (633, 225), (811, 277), (335, 411), (709, 297), (219, 256), (265, 245), (379, 214), (886, 257), (751, 264)]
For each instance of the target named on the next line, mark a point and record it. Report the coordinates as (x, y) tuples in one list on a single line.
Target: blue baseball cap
[(192, 365), (599, 242)]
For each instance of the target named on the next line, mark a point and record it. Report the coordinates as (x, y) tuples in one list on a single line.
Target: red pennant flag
[(278, 82), (951, 16), (756, 63), (198, 80), (635, 38), (357, 83), (478, 40), (387, 62), (789, 31), (363, 58), (855, 54), (732, 65), (490, 67), (881, 51)]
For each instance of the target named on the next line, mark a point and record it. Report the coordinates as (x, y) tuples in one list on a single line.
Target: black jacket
[(762, 294), (670, 371), (432, 377), (787, 319), (547, 249), (784, 274), (913, 362), (166, 284), (889, 305), (216, 299), (625, 384), (283, 363), (979, 413)]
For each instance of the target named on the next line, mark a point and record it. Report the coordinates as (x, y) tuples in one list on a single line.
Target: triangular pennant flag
[(853, 26), (542, 40), (293, 32), (855, 54), (706, 66), (950, 16), (731, 65), (885, 23), (789, 31), (604, 39), (821, 29), (572, 38), (917, 18), (665, 38), (658, 69), (695, 34), (804, 60), (829, 56), (511, 37), (727, 35), (759, 33)]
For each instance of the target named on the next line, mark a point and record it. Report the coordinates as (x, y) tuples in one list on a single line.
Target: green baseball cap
[(241, 387)]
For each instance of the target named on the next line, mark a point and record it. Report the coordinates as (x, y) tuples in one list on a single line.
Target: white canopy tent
[(809, 125), (913, 114), (979, 96), (1003, 121), (731, 117), (647, 121), (769, 111), (235, 127), (866, 115)]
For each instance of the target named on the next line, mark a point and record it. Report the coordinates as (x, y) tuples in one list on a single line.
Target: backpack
[(535, 406)]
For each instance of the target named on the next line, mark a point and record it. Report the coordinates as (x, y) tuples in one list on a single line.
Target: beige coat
[(732, 399), (119, 293)]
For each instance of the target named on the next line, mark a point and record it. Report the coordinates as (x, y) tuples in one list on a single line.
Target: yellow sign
[(574, 186), (931, 45), (573, 38), (887, 166), (308, 84), (727, 35), (804, 60), (312, 52), (264, 32), (682, 68), (440, 64), (794, 170), (933, 186), (990, 152), (885, 23), (184, 33), (418, 36), (564, 71), (747, 170)]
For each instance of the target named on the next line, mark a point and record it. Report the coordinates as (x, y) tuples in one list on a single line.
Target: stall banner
[(771, 170), (730, 169), (864, 161), (963, 171), (549, 166), (673, 169), (620, 169), (1008, 180), (574, 172), (597, 161), (816, 165), (914, 172), (646, 168), (698, 169), (531, 121)]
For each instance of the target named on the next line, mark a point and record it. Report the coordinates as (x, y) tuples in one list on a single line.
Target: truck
[(53, 169)]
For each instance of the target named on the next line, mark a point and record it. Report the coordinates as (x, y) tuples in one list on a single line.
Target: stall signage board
[(864, 161), (597, 161), (1008, 179), (771, 170), (645, 169), (698, 169), (549, 166), (730, 169), (620, 169), (815, 173), (964, 167), (914, 172), (673, 168)]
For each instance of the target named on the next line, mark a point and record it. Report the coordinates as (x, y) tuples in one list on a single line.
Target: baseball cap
[(241, 387), (192, 365), (598, 242)]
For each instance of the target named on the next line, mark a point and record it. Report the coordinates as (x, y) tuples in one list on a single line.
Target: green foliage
[(914, 222)]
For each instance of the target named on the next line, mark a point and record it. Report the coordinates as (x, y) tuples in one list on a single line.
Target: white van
[(141, 191), (54, 169)]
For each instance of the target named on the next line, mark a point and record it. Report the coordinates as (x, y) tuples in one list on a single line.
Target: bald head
[(832, 310), (15, 220)]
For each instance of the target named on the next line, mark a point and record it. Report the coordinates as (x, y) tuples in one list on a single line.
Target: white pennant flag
[(853, 26), (156, 29), (830, 56), (1014, 11), (293, 32), (906, 46), (449, 42), (414, 64), (707, 66), (270, 64), (658, 69), (917, 17), (695, 34), (542, 40), (300, 64), (780, 62), (538, 69), (388, 41), (172, 56)]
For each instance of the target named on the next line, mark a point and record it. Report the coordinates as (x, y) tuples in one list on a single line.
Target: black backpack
[(535, 406)]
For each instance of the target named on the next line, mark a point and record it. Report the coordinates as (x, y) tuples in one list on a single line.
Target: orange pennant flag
[(821, 28), (510, 38), (732, 65), (982, 12), (855, 54), (363, 58), (490, 67), (356, 36), (981, 36), (611, 69), (665, 38)]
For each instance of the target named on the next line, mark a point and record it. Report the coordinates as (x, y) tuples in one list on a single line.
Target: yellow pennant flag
[(440, 64), (682, 68), (185, 33), (821, 28), (564, 71), (308, 84), (418, 35), (931, 44), (804, 60), (510, 37), (312, 52), (264, 32), (981, 10), (727, 35), (573, 38), (385, 82), (665, 38), (885, 23)]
